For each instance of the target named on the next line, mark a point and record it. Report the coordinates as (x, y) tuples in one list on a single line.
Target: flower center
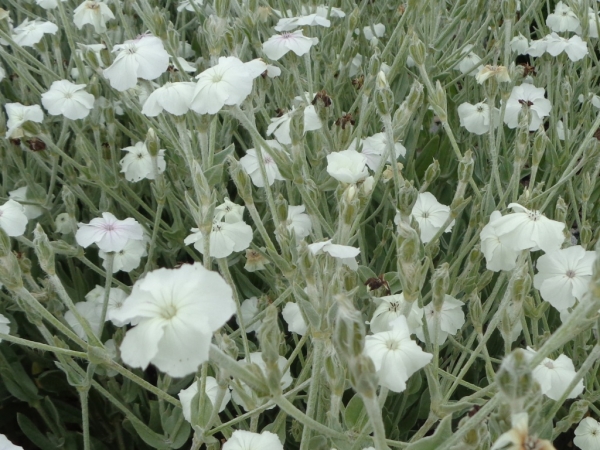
[(286, 35), (140, 155), (109, 227), (549, 365), (571, 273), (132, 50), (394, 306), (534, 215), (425, 215), (392, 344), (480, 109), (169, 312), (268, 160)]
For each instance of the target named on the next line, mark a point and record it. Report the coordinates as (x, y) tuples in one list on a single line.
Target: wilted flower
[(476, 118), (278, 45), (293, 317), (430, 215), (30, 33), (389, 308), (533, 98), (280, 126), (518, 438), (255, 260), (172, 97), (225, 238), (587, 434), (246, 440), (562, 19), (212, 390), (94, 13), (447, 321), (564, 276), (175, 312), (251, 165), (18, 114), (500, 73), (227, 83), (109, 233), (144, 57), (249, 309), (68, 99), (12, 218), (554, 376), (395, 355), (137, 163), (345, 253), (347, 166)]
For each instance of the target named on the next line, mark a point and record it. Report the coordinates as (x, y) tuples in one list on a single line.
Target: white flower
[(564, 276), (289, 24), (137, 163), (229, 212), (593, 23), (246, 440), (575, 47), (468, 62), (12, 218), (30, 33), (109, 233), (324, 11), (48, 4), (389, 308), (2, 73), (594, 99), (347, 166), (18, 114), (374, 148), (68, 99), (128, 258), (395, 355), (518, 438), (280, 126), (278, 45), (177, 311), (20, 195), (116, 299), (587, 434), (562, 19), (498, 251), (293, 317), (476, 118), (345, 253), (172, 97), (249, 309), (554, 376), (65, 224), (374, 31), (91, 312), (251, 165), (519, 44), (225, 238), (529, 95), (227, 83), (4, 328), (256, 358), (355, 65), (255, 260), (94, 13), (560, 130), (525, 229), (188, 5), (430, 215), (144, 57), (5, 444), (447, 321), (186, 396), (298, 221)]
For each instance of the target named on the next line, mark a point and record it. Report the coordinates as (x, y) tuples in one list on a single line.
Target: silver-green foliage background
[(43, 393)]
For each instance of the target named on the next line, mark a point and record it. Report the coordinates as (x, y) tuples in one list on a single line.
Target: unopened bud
[(363, 376), (152, 142), (241, 180), (4, 243), (539, 146), (407, 243), (417, 50), (349, 335), (440, 283), (521, 287), (561, 210), (438, 102), (353, 19), (509, 9), (514, 378), (476, 312), (384, 99), (43, 250), (585, 234), (297, 126), (10, 272), (407, 197), (465, 167), (566, 93), (432, 172)]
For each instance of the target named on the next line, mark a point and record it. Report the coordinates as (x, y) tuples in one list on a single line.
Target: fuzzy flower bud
[(407, 243), (269, 342), (152, 143), (432, 172), (438, 102), (417, 50), (476, 312), (241, 179), (363, 376), (439, 285), (404, 114), (561, 210), (406, 198), (10, 272), (514, 379), (4, 243), (521, 287), (539, 146), (509, 9), (43, 250), (349, 334)]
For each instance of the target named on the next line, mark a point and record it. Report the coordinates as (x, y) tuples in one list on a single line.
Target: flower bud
[(407, 196), (509, 9), (241, 180), (476, 312), (404, 114), (269, 337), (417, 50), (10, 272), (349, 334), (297, 126), (281, 208), (4, 243), (521, 287), (539, 146), (585, 234), (465, 167), (432, 172), (440, 283), (353, 19), (43, 250), (577, 411), (152, 143), (363, 376), (438, 102), (384, 99), (514, 379), (561, 210), (335, 372), (566, 92)]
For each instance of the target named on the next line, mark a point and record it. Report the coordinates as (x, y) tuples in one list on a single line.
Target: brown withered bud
[(597, 134), (36, 145), (358, 82), (172, 68), (279, 112), (15, 141), (375, 283), (345, 120), (322, 95), (528, 70)]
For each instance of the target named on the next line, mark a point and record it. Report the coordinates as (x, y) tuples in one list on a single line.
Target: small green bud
[(438, 102), (43, 250), (566, 93), (281, 208), (465, 167), (363, 376), (514, 379), (417, 50), (522, 141), (10, 272), (539, 146), (585, 234), (349, 334), (269, 336), (407, 197), (297, 126), (404, 114), (353, 19), (561, 210), (31, 128), (432, 172), (384, 100), (475, 256), (440, 283), (521, 287), (222, 7), (241, 179), (152, 142), (160, 23), (476, 312), (509, 9), (407, 243), (4, 243)]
